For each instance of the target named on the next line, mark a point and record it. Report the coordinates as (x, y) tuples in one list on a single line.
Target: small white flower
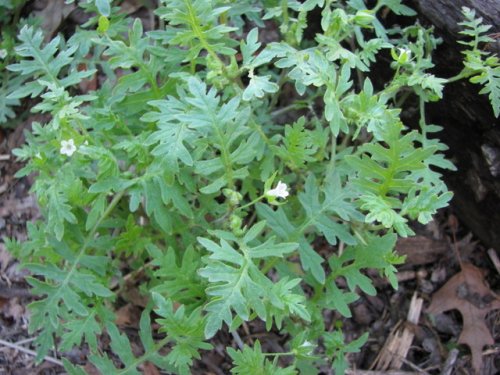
[(404, 53), (3, 54), (307, 347), (306, 344), (68, 147), (280, 191)]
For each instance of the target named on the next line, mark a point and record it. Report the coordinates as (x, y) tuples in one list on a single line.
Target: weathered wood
[(470, 129), (446, 14)]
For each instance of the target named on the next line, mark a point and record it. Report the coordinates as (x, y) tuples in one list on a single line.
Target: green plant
[(480, 66), (9, 20), (213, 163)]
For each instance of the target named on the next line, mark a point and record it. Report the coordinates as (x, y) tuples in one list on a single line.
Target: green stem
[(250, 204), (286, 109), (142, 66), (279, 354), (333, 152), (144, 357), (151, 79), (86, 243), (194, 21), (377, 7), (422, 122), (269, 265), (286, 18), (459, 76), (122, 124), (258, 129), (282, 80), (402, 99), (225, 155)]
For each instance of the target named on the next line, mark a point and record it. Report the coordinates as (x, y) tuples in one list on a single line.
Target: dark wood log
[(470, 128), (446, 14)]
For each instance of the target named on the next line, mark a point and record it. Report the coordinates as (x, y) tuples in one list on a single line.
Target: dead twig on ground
[(395, 349), (20, 348), (494, 259), (450, 362)]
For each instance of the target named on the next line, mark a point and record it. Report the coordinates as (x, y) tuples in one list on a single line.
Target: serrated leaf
[(340, 300), (180, 282), (77, 329), (185, 331), (258, 87), (311, 261), (252, 361), (236, 284)]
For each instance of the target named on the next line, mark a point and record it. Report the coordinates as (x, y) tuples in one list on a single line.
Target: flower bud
[(235, 225), (364, 17), (234, 197)]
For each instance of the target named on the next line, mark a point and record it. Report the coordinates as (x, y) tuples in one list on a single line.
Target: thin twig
[(414, 366), (237, 339), (450, 362), (494, 258), (247, 332), (25, 341), (30, 352)]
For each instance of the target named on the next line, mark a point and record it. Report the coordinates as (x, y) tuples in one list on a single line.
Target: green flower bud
[(234, 197), (235, 225), (364, 17)]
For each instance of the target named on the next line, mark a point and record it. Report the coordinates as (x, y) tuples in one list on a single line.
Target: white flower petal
[(68, 147), (280, 191)]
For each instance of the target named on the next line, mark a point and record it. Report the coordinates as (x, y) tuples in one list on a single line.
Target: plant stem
[(286, 109), (250, 203), (462, 75), (279, 354), (87, 241), (144, 357)]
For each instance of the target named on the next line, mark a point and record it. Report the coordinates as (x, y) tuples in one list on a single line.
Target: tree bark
[(470, 128), (446, 14)]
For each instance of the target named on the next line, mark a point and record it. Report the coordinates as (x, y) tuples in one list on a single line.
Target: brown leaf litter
[(467, 292)]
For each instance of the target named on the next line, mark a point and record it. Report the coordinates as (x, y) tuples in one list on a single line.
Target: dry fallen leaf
[(90, 369), (150, 369), (128, 315), (52, 15), (468, 293)]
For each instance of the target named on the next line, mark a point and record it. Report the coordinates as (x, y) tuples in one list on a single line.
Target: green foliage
[(210, 164), (120, 345), (482, 67), (9, 21), (253, 361), (337, 348), (42, 63), (184, 331), (237, 284)]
